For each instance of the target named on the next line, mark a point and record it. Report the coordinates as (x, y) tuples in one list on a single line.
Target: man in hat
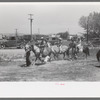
[(72, 46), (27, 50), (60, 44), (42, 44)]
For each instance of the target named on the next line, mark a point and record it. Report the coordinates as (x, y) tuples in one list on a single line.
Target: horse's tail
[(98, 55)]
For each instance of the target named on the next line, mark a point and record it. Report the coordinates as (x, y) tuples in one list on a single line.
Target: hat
[(72, 39), (42, 38), (60, 38)]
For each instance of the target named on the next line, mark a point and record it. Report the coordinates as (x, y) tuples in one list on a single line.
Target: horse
[(98, 56), (84, 49), (42, 52), (36, 50), (52, 50), (63, 50), (71, 53), (59, 49)]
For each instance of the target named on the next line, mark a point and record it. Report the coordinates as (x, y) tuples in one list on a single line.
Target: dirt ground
[(13, 60)]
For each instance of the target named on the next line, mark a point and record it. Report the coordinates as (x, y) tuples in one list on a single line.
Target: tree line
[(91, 24), (64, 35)]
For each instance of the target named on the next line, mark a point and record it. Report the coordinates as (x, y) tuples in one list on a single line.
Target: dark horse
[(84, 49), (98, 55)]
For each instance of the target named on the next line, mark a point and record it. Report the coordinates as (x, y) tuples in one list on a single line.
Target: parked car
[(53, 40), (11, 42)]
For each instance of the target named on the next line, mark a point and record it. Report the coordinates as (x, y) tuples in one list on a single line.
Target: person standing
[(27, 50), (60, 45), (72, 46), (42, 44)]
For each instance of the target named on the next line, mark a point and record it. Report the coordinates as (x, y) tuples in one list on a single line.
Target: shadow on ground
[(98, 66), (23, 65), (38, 64)]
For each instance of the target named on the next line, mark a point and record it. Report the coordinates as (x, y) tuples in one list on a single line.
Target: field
[(13, 60)]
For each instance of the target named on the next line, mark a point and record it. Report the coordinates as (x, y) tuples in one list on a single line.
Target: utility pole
[(87, 28), (38, 31), (31, 25), (16, 32), (68, 30), (16, 35)]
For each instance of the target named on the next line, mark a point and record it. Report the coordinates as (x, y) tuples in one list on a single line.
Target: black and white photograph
[(46, 42)]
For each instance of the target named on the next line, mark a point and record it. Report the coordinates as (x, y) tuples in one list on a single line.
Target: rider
[(43, 41), (60, 41), (78, 44), (72, 46), (42, 44), (60, 44)]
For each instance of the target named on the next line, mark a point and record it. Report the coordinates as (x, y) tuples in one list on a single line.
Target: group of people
[(28, 48), (72, 45)]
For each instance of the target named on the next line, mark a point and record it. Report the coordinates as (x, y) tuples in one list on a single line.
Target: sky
[(48, 18)]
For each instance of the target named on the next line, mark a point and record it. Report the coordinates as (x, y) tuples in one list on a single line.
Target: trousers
[(27, 58)]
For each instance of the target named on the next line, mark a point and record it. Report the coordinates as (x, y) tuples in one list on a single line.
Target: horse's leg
[(50, 56), (88, 52), (67, 53), (64, 53), (40, 59), (57, 56), (73, 54), (35, 59), (86, 55), (54, 55), (39, 56)]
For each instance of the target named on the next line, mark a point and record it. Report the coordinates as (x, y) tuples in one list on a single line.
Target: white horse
[(83, 49), (63, 50), (58, 49)]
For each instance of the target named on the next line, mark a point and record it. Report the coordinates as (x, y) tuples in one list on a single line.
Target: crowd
[(73, 45)]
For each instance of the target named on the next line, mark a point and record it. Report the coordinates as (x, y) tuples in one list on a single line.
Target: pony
[(71, 53), (52, 50), (37, 52), (63, 49), (42, 52), (98, 56), (84, 49), (59, 49), (78, 48)]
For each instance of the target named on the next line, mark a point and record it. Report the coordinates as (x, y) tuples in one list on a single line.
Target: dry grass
[(61, 70), (11, 54)]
